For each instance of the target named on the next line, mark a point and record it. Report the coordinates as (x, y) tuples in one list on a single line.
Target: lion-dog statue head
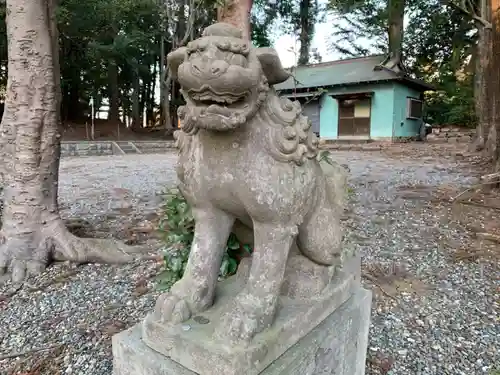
[(223, 79), (227, 83)]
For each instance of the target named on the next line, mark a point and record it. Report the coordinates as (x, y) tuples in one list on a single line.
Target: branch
[(190, 25), (374, 281), (488, 236), (462, 7), (30, 351)]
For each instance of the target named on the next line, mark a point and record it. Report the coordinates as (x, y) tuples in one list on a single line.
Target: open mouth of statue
[(210, 100)]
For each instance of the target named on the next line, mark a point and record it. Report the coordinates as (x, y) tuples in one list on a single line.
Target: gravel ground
[(431, 313)]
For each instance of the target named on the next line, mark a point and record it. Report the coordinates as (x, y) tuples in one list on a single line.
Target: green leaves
[(437, 47), (177, 222), (177, 226), (324, 156)]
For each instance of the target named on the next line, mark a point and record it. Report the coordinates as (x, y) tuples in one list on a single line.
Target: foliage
[(438, 43), (362, 27), (297, 17), (452, 105), (111, 49), (177, 226)]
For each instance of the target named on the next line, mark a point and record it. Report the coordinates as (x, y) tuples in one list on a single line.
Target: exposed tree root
[(55, 243)]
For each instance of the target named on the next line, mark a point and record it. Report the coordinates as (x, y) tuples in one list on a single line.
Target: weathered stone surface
[(84, 148), (337, 346), (200, 349), (249, 157)]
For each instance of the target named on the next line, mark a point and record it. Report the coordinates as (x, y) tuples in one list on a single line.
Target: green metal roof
[(345, 72)]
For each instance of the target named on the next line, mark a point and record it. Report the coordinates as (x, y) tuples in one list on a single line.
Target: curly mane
[(290, 134)]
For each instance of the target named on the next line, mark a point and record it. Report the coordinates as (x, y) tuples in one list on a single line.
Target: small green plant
[(350, 191), (177, 226), (324, 155)]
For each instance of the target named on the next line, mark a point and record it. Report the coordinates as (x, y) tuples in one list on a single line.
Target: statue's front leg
[(255, 307), (195, 291)]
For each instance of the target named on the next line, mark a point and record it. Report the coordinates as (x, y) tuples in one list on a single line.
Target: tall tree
[(480, 11), (494, 77), (237, 13), (361, 26), (180, 20), (32, 232), (439, 47), (396, 14), (306, 22)]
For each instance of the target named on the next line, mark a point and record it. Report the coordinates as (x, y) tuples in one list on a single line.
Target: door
[(354, 117)]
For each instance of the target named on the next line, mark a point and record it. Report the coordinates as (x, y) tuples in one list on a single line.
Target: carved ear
[(271, 65), (176, 58)]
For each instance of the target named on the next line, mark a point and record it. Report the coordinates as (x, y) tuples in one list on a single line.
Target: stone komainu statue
[(248, 159)]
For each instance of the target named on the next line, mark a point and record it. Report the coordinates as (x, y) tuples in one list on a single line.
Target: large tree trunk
[(306, 31), (396, 11), (483, 141), (114, 92), (237, 13), (32, 232), (136, 105), (151, 99), (163, 74), (494, 79)]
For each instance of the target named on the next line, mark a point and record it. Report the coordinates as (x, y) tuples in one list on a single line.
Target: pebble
[(444, 322)]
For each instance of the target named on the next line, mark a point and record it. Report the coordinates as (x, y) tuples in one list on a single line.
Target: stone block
[(198, 348), (336, 346)]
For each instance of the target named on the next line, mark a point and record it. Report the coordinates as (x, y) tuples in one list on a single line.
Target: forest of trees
[(111, 50), (57, 54)]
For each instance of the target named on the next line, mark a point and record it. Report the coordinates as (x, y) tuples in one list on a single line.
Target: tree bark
[(136, 106), (32, 232), (114, 92), (396, 13), (306, 31), (237, 13), (151, 98), (163, 73), (483, 141), (166, 101), (494, 79)]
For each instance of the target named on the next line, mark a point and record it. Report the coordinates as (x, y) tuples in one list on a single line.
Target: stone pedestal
[(336, 346)]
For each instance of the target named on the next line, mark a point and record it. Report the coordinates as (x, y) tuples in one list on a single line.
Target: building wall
[(311, 110), (329, 117), (382, 111), (404, 127)]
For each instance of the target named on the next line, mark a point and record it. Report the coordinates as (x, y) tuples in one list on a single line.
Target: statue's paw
[(186, 298), (249, 315), (171, 309), (238, 327)]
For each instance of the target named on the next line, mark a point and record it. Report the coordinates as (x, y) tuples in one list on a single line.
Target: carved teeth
[(211, 97)]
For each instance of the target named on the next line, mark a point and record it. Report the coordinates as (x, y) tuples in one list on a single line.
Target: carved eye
[(245, 49)]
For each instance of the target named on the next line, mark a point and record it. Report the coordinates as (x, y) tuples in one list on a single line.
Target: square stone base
[(337, 346)]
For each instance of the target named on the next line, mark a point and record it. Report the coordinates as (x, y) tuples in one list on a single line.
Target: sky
[(286, 43)]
